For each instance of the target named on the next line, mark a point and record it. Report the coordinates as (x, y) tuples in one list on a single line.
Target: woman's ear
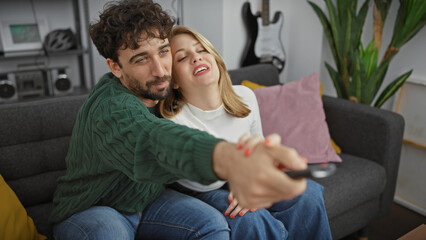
[(175, 86), (114, 67)]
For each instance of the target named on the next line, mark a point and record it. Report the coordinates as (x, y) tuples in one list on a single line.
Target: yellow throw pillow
[(335, 146), (15, 224), (253, 85)]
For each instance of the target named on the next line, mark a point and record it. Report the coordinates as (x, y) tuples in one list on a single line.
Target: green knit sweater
[(121, 155)]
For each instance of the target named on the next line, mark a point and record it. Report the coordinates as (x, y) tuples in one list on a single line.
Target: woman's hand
[(256, 180), (234, 208), (248, 142)]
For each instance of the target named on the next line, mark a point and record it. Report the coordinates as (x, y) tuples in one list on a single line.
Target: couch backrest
[(264, 74), (35, 136), (34, 141)]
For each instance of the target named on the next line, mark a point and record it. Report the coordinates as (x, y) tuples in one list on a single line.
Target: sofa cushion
[(296, 113), (14, 221), (50, 118), (32, 156), (356, 181), (253, 86), (40, 214)]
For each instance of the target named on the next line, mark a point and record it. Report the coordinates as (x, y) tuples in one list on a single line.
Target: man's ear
[(114, 67)]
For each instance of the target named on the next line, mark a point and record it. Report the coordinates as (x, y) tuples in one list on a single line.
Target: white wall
[(99, 62), (301, 35), (200, 14), (410, 188), (221, 22)]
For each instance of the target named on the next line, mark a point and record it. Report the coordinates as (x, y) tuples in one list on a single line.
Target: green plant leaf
[(336, 33), (411, 18), (357, 73), (377, 78), (360, 20), (357, 77), (369, 57), (347, 40), (390, 90), (338, 85), (358, 24), (327, 29)]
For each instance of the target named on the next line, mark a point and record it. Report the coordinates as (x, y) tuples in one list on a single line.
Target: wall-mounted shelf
[(43, 54), (74, 65)]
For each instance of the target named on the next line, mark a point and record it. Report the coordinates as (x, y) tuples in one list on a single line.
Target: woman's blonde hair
[(232, 103)]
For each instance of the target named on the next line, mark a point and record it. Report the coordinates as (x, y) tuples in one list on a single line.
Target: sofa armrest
[(370, 133)]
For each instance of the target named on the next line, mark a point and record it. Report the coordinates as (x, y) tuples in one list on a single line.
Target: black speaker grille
[(63, 84), (6, 90)]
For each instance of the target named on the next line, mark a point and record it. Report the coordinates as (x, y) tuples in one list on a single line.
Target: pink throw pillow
[(295, 111)]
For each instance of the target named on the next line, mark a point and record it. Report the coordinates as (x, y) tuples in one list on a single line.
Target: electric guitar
[(263, 37)]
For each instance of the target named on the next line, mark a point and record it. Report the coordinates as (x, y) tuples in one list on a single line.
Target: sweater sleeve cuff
[(204, 152)]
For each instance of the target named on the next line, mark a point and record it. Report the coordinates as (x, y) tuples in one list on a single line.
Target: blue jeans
[(178, 216), (303, 217), (172, 216)]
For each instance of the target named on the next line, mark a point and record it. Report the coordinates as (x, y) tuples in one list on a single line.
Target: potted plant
[(359, 74)]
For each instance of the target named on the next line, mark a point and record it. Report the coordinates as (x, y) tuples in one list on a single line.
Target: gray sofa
[(35, 136)]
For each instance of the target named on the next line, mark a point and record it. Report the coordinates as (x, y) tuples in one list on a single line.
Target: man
[(121, 156)]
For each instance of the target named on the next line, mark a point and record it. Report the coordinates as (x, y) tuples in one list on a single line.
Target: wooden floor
[(400, 221)]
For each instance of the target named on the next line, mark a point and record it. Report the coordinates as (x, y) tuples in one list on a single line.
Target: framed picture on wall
[(22, 34)]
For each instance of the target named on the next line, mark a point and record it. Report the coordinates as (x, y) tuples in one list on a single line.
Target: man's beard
[(144, 91)]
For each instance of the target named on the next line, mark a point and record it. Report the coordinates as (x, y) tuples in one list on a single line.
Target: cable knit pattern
[(121, 155)]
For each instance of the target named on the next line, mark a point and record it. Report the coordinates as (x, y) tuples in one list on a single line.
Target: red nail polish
[(239, 146), (232, 216), (267, 141), (251, 210), (247, 152), (230, 201), (226, 214), (241, 214)]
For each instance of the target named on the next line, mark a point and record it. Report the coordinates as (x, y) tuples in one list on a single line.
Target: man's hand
[(255, 180)]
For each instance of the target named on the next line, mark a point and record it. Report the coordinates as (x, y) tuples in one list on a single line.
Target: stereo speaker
[(8, 89), (61, 83)]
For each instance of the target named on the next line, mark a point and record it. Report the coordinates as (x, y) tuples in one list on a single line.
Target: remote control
[(321, 170)]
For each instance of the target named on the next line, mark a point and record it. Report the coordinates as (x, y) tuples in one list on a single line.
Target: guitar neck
[(265, 12)]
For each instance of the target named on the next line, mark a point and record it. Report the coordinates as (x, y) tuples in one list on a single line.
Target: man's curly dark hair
[(121, 24)]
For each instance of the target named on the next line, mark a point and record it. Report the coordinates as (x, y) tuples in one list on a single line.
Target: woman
[(203, 97)]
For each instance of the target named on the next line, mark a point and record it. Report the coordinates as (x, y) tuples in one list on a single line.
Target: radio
[(23, 85), (32, 83)]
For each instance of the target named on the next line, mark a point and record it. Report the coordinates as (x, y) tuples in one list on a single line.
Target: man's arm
[(149, 149), (255, 180)]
